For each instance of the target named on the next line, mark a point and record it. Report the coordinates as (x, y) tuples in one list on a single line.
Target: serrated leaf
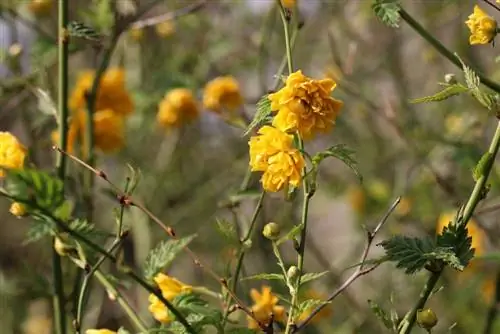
[(40, 229), (341, 152), (35, 188), (79, 29), (308, 277), (448, 256), (226, 229), (163, 254), (482, 165), (295, 231), (262, 113), (410, 254), (489, 101), (387, 11), (446, 93), (265, 276), (381, 314), (455, 236)]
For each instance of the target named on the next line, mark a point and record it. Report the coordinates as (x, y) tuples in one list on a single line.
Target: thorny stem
[(62, 101), (475, 197)]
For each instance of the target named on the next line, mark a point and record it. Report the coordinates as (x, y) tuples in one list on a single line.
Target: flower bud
[(271, 231), (18, 209), (292, 273), (426, 318), (61, 247)]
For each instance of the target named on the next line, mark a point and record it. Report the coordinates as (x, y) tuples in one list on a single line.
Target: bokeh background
[(422, 152)]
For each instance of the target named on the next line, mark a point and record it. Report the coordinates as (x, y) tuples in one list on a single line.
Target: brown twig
[(361, 271), (168, 16), (126, 200)]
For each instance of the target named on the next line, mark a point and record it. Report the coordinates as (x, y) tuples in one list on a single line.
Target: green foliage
[(311, 277), (482, 165), (387, 11), (227, 230), (412, 254), (197, 312), (341, 152), (295, 231), (489, 101), (100, 15), (35, 188), (39, 230), (78, 29), (266, 276), (446, 93), (309, 304), (163, 254), (455, 236), (383, 316), (261, 115)]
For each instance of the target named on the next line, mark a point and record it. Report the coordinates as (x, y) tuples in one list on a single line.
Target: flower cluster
[(112, 104), (170, 288), (305, 105), (178, 107), (265, 306), (483, 28)]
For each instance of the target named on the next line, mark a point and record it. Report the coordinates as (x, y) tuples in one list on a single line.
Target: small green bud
[(450, 78), (271, 231), (292, 273), (61, 247), (426, 318)]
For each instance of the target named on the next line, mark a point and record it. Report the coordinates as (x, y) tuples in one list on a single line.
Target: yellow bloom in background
[(12, 152), (109, 131), (170, 288), (288, 3), (379, 190), (483, 28), (40, 7), (177, 108), (137, 34), (474, 231), (18, 209), (112, 92), (404, 206), (99, 331), (305, 105), (222, 93), (165, 28), (272, 152), (356, 198), (265, 305), (326, 312)]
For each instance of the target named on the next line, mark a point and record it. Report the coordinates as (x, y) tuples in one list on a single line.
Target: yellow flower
[(177, 107), (288, 3), (112, 93), (483, 28), (265, 305), (18, 209), (165, 28), (305, 105), (404, 206), (272, 152), (99, 331), (109, 131), (137, 34), (357, 199), (325, 312), (170, 288), (12, 152), (40, 7), (474, 231), (222, 93)]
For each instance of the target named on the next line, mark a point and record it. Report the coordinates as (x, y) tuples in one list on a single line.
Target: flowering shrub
[(278, 188)]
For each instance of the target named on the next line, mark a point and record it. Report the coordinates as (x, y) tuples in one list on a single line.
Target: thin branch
[(492, 4), (168, 16)]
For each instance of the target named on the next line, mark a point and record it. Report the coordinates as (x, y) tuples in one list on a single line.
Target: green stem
[(287, 37), (284, 61), (442, 49), (123, 303), (239, 263), (62, 101)]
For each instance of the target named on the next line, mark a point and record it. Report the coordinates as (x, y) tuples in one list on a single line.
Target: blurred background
[(422, 152)]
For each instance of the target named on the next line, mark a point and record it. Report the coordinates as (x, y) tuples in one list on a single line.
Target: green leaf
[(295, 231), (482, 165), (163, 254), (35, 188), (311, 277), (261, 115), (40, 229), (455, 236), (78, 29), (444, 94), (226, 229), (135, 178), (197, 311), (387, 11), (410, 254), (341, 152), (381, 314), (265, 276), (448, 256), (309, 305)]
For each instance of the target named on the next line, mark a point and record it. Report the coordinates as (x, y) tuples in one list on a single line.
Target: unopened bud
[(61, 247), (426, 318), (15, 50), (450, 78), (271, 231), (292, 273)]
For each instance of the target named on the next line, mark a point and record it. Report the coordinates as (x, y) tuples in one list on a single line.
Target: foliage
[(387, 11)]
